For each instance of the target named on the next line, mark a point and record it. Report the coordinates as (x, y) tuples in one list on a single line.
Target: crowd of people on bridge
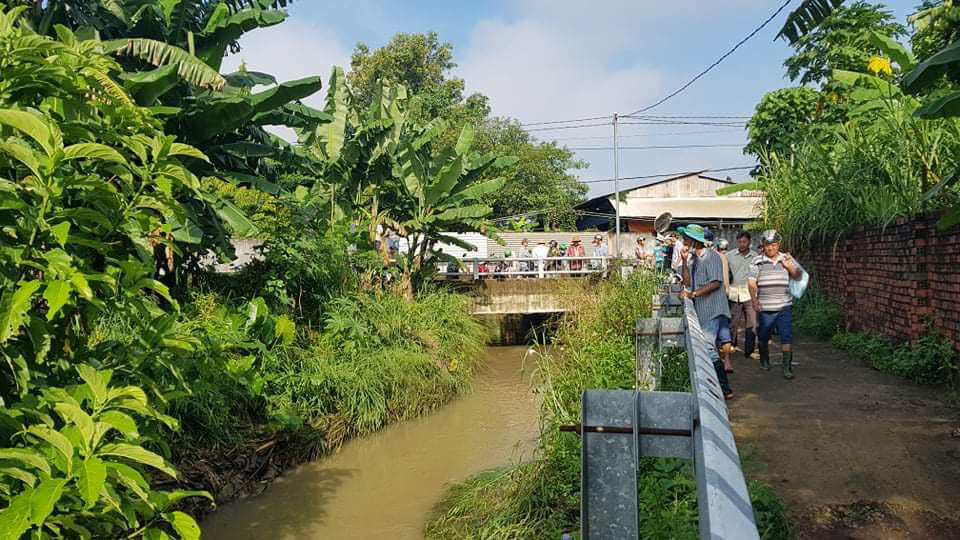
[(553, 258), (740, 290)]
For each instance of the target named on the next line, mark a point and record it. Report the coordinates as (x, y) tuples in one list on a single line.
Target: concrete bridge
[(524, 296)]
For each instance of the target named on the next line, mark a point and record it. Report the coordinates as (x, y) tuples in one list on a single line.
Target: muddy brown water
[(384, 485)]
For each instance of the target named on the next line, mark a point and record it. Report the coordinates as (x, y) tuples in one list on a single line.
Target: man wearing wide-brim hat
[(703, 283), (576, 250)]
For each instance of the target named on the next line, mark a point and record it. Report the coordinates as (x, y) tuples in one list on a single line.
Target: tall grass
[(869, 171), (541, 499), (378, 359)]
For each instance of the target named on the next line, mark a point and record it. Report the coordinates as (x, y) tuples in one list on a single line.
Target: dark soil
[(854, 453)]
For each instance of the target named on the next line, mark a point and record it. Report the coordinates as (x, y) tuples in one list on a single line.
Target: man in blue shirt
[(703, 282)]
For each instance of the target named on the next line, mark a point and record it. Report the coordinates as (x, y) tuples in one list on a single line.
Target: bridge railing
[(537, 267), (621, 426)]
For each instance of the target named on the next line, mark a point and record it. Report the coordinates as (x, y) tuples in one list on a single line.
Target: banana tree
[(440, 195)]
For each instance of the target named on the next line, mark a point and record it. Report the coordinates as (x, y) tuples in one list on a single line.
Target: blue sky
[(547, 60)]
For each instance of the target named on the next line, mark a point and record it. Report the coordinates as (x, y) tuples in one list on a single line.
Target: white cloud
[(291, 50), (538, 71)]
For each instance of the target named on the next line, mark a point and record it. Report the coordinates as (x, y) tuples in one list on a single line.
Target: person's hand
[(789, 263), (686, 294), (684, 250), (756, 305)]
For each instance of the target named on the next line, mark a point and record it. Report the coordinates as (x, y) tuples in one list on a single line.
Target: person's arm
[(752, 286), (792, 267)]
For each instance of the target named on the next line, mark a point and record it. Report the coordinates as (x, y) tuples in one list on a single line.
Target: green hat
[(692, 230), (563, 246)]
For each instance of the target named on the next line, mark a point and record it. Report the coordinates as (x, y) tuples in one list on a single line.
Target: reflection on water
[(384, 485)]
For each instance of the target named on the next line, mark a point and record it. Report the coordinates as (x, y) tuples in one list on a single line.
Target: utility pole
[(616, 181)]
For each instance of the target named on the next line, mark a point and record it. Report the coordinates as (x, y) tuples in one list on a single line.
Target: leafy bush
[(378, 359), (83, 469), (930, 359), (816, 315)]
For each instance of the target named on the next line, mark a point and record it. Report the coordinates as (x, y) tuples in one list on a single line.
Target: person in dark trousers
[(703, 283), (769, 283), (742, 315)]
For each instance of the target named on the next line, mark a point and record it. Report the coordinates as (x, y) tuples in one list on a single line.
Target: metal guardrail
[(621, 426), (538, 267)]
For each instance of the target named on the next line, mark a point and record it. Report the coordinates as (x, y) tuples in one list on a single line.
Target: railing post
[(540, 268), (476, 270)]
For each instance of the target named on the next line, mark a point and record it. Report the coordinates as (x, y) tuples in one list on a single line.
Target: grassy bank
[(267, 395), (541, 499)]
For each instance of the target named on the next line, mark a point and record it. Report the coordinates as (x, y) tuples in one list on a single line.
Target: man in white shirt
[(540, 252), (743, 315)]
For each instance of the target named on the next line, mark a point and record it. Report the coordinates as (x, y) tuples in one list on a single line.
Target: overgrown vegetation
[(123, 356), (593, 349), (816, 315), (881, 136), (930, 359)]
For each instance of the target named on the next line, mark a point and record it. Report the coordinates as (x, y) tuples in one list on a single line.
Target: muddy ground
[(853, 452)]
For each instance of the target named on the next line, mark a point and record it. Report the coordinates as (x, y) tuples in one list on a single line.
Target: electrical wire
[(670, 117), (659, 147), (705, 132), (666, 175), (713, 65), (566, 121), (578, 126), (682, 123)]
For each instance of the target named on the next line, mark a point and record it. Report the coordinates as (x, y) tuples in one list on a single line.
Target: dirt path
[(853, 452)]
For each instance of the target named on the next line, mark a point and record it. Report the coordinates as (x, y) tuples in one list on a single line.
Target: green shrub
[(378, 359), (930, 359), (816, 315)]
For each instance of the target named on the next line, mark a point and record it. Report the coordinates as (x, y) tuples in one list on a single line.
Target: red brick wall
[(890, 280)]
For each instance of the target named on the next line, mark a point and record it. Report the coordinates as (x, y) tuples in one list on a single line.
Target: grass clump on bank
[(930, 359), (541, 499)]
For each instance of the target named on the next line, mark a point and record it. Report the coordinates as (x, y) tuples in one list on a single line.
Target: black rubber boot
[(723, 379), (788, 364), (765, 356)]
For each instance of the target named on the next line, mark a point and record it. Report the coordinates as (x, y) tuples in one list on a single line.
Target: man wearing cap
[(599, 250), (769, 283), (703, 274)]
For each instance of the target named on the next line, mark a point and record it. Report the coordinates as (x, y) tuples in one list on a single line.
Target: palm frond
[(109, 87), (189, 67), (806, 17)]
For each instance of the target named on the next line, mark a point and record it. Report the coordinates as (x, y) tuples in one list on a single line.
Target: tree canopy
[(841, 41), (540, 182)]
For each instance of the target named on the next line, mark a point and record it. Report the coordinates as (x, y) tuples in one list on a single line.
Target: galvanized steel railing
[(621, 426)]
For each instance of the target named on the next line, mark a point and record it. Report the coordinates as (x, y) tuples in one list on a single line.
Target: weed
[(816, 315), (930, 359)]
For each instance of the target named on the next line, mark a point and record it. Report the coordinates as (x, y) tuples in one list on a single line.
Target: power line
[(566, 127), (683, 123), (565, 121), (704, 132), (694, 117), (715, 64), (662, 147), (665, 175)]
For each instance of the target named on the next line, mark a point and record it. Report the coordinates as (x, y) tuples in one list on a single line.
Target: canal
[(384, 485)]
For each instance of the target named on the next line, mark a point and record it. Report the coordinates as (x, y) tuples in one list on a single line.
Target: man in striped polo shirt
[(703, 274), (769, 283)]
